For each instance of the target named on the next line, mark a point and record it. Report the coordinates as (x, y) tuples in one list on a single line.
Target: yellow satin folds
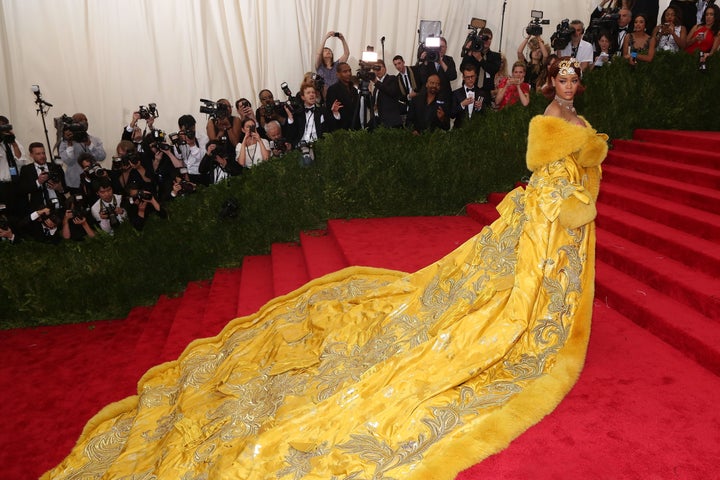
[(369, 373)]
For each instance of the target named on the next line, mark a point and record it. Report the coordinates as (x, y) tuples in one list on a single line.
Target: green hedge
[(355, 174)]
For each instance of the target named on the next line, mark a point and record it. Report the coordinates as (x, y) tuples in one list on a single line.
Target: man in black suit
[(43, 182), (347, 95), (468, 100), (485, 61), (311, 121), (430, 109), (409, 82), (386, 91), (443, 66)]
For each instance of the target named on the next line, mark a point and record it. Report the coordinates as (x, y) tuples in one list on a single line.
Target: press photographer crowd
[(67, 193)]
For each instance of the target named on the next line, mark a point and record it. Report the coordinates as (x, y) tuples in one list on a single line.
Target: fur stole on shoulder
[(552, 138)]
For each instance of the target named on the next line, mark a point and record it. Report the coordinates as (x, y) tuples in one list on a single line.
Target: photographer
[(140, 203), (279, 145), (190, 148), (76, 225), (253, 149), (326, 65), (108, 210), (386, 94), (440, 64), (42, 225), (218, 163), (42, 182), (181, 186), (132, 131), (132, 166), (77, 140), (577, 47), (223, 124), (310, 123), (269, 110), (535, 61), (7, 231), (430, 109), (485, 62), (12, 159)]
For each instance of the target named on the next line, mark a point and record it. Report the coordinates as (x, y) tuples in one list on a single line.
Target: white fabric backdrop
[(104, 58)]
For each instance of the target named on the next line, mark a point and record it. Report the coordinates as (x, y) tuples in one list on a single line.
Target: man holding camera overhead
[(77, 140), (476, 52)]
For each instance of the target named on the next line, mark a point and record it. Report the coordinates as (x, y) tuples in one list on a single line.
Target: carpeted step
[(256, 284), (696, 335), (288, 268), (222, 300), (187, 323), (709, 141), (689, 154), (695, 252), (152, 339), (697, 197), (640, 410), (661, 209), (685, 172), (403, 243), (483, 213), (322, 253), (688, 286)]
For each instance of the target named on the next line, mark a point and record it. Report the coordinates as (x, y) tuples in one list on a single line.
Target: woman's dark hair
[(716, 24), (607, 34), (678, 15)]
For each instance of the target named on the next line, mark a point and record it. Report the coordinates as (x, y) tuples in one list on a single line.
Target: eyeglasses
[(376, 68)]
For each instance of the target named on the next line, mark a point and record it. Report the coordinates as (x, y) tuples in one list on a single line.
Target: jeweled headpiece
[(569, 66)]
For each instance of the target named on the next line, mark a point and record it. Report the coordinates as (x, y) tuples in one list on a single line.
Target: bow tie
[(309, 109), (467, 90), (623, 29)]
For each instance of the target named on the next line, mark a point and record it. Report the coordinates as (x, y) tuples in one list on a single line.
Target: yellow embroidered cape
[(369, 373)]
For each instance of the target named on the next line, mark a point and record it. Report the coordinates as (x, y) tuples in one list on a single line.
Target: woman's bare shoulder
[(553, 110)]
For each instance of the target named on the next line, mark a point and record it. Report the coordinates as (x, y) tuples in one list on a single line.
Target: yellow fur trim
[(552, 138), (574, 212)]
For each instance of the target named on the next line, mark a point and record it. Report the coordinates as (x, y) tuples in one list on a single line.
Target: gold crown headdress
[(569, 66)]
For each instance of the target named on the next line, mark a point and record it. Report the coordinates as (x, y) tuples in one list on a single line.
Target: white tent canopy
[(105, 58)]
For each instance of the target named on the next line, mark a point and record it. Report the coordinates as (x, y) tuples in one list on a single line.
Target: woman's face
[(639, 24), (566, 86), (709, 16), (604, 43), (518, 73), (536, 54), (669, 16)]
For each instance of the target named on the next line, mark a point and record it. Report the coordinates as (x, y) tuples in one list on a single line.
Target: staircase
[(658, 263)]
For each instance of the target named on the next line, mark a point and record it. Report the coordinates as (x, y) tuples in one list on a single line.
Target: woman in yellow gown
[(376, 374)]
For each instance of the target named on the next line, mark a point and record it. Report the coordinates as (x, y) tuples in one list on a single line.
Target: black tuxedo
[(486, 68), (39, 197), (387, 107), (415, 83), (35, 230), (350, 100), (460, 113), (322, 118)]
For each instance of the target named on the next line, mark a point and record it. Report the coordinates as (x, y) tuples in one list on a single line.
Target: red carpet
[(644, 407)]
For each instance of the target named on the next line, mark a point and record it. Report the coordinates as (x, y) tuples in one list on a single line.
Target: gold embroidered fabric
[(370, 373)]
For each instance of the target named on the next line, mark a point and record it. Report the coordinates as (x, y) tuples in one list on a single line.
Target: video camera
[(476, 38), (562, 36), (214, 109), (534, 28), (605, 23), (149, 112), (78, 129), (365, 73)]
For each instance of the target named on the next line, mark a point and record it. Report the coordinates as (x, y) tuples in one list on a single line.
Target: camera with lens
[(279, 146), (607, 23), (142, 196), (562, 36), (293, 102), (157, 140), (79, 209), (187, 187), (177, 140), (149, 112), (431, 48), (214, 109), (78, 129), (307, 154), (95, 171), (534, 28), (54, 176), (5, 134)]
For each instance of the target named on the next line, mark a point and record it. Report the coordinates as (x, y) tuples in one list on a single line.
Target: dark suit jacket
[(28, 185), (446, 76), (388, 107), (460, 113), (323, 121), (490, 65), (423, 116), (350, 112)]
